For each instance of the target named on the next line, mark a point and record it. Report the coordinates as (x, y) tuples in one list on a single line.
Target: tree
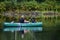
[(31, 5), (2, 7)]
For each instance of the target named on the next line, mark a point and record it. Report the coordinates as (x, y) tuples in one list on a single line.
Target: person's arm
[(26, 21), (12, 22)]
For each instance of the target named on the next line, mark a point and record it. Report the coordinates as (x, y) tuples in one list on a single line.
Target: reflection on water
[(11, 36), (51, 31)]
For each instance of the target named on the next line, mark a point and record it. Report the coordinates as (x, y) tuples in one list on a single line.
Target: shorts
[(22, 32)]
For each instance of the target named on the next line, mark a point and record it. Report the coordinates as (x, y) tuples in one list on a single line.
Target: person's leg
[(22, 34)]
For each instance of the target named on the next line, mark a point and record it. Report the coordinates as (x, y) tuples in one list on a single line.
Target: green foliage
[(47, 5), (2, 6), (32, 5)]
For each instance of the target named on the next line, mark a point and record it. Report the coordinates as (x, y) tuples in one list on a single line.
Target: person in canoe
[(33, 20), (23, 20)]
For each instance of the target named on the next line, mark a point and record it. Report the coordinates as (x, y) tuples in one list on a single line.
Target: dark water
[(51, 31)]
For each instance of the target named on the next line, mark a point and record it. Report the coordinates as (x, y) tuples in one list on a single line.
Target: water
[(51, 31)]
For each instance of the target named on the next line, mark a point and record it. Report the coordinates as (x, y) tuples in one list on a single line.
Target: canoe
[(22, 26), (38, 24)]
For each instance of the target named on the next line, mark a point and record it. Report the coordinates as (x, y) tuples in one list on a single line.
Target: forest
[(30, 5)]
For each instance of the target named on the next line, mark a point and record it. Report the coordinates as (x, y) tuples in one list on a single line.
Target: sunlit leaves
[(2, 6), (29, 5)]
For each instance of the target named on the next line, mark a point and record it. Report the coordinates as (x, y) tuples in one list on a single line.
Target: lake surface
[(51, 31)]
